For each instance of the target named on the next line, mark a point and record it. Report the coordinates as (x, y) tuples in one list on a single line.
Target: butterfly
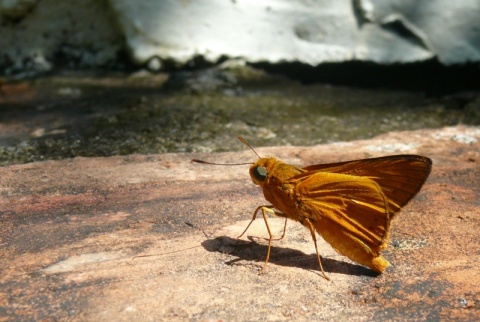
[(350, 204)]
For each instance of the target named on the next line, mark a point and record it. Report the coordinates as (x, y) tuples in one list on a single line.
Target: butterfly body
[(350, 204)]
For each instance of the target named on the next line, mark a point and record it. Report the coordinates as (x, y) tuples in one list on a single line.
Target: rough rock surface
[(73, 233)]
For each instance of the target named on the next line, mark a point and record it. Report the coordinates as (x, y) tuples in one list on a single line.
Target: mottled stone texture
[(73, 233)]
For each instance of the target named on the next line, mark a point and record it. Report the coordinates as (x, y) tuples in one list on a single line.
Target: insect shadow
[(283, 256)]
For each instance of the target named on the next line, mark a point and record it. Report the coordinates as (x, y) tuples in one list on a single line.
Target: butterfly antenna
[(243, 163), (246, 143), (214, 163)]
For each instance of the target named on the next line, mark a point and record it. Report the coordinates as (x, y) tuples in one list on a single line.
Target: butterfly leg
[(264, 210), (265, 218), (253, 218), (312, 231), (284, 228)]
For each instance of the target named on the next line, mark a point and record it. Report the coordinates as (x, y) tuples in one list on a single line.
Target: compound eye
[(260, 173)]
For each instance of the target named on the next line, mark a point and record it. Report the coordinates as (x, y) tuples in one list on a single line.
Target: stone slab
[(153, 237)]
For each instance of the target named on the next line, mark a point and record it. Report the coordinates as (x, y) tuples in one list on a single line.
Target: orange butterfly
[(350, 204)]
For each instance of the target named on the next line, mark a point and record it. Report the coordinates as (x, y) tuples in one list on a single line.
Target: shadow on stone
[(252, 251)]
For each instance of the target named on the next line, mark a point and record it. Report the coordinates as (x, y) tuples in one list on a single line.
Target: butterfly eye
[(260, 173)]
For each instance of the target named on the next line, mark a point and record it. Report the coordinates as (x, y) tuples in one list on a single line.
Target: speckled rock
[(153, 237)]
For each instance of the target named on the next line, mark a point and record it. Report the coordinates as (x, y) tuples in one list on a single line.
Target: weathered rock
[(73, 233)]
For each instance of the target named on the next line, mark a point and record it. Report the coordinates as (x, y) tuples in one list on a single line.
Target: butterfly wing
[(400, 177), (352, 203), (349, 212)]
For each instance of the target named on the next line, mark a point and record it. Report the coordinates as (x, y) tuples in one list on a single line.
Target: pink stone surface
[(73, 234)]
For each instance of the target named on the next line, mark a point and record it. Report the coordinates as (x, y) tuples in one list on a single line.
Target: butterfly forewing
[(400, 177)]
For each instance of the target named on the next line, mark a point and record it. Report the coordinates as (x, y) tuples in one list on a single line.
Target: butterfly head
[(259, 171)]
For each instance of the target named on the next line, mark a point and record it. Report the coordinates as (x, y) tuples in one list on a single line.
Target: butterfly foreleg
[(265, 218), (254, 217), (270, 210), (265, 210)]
